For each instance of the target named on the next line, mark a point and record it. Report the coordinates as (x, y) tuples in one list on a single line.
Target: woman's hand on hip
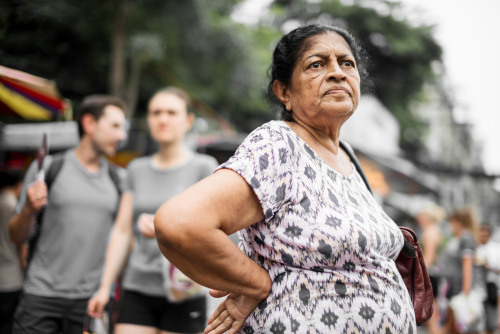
[(231, 314)]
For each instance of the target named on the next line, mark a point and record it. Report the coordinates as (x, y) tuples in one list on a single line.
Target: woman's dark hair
[(94, 105), (291, 47)]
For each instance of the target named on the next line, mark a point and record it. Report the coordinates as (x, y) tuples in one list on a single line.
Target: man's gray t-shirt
[(69, 256), (150, 188)]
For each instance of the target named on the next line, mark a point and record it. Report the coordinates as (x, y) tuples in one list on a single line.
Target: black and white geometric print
[(325, 241)]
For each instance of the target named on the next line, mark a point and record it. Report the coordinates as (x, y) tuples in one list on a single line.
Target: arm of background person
[(117, 255), (21, 224), (431, 243), (467, 270), (192, 231)]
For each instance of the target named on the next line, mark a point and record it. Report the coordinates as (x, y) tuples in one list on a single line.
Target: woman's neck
[(326, 138), (325, 144), (170, 155)]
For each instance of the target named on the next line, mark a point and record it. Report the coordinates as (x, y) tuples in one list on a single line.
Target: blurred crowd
[(462, 259)]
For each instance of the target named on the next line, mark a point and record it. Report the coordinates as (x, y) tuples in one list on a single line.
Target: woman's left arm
[(192, 231)]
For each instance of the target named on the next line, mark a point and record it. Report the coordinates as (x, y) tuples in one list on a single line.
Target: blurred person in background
[(147, 305), (463, 275), (428, 220), (12, 256), (78, 212), (487, 256), (317, 250)]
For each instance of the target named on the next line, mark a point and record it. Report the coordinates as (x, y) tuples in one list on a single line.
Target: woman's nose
[(335, 72), (163, 117)]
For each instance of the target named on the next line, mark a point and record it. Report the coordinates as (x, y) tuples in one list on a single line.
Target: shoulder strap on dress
[(350, 152)]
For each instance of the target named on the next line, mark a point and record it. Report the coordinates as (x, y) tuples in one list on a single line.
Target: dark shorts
[(36, 314), (491, 315), (8, 305), (435, 285), (186, 317)]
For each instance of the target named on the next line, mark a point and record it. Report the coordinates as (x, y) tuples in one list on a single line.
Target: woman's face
[(168, 118), (325, 82), (456, 227)]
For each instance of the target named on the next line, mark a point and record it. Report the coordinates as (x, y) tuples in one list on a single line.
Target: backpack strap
[(54, 169), (50, 175), (350, 152), (113, 175)]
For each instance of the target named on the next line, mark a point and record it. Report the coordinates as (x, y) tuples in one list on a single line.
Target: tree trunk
[(117, 75), (133, 86)]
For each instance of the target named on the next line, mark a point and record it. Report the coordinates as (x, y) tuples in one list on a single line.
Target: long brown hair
[(466, 218)]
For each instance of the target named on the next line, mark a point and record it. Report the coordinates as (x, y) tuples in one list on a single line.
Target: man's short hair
[(94, 105)]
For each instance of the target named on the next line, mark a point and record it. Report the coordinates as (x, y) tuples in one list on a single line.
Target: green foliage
[(400, 54), (194, 44)]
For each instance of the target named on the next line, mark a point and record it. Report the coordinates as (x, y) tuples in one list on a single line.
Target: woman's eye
[(348, 63), (316, 64)]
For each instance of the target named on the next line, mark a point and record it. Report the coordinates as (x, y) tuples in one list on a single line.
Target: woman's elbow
[(170, 232)]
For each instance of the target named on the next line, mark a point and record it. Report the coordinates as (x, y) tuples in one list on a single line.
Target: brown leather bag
[(411, 266)]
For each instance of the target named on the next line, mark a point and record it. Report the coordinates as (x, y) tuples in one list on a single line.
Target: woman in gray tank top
[(157, 298)]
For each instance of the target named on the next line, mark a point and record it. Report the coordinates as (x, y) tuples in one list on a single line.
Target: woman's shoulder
[(467, 234), (204, 160), (273, 132), (139, 163), (467, 239)]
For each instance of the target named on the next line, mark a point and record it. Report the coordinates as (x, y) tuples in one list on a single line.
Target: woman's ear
[(281, 92)]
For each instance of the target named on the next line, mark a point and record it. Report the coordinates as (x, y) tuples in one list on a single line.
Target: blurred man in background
[(73, 212), (11, 255)]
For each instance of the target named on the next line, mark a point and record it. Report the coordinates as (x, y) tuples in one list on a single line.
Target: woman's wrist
[(265, 287), (105, 288)]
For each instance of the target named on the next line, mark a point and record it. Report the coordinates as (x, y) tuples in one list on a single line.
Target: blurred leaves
[(401, 55), (194, 44)]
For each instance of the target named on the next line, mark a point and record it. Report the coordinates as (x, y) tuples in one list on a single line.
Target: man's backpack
[(50, 176)]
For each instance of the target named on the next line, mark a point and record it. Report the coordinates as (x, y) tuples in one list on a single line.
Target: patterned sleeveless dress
[(327, 244)]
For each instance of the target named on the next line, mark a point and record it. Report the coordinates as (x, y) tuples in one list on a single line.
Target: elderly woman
[(318, 251)]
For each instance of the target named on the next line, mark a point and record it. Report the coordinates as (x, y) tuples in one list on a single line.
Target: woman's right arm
[(192, 231), (117, 255)]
